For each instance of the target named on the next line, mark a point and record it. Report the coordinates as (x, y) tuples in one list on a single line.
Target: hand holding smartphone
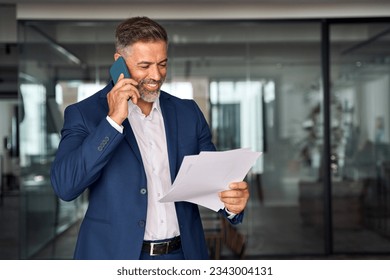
[(118, 67), (118, 106)]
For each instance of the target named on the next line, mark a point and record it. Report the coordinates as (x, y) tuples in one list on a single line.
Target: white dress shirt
[(149, 131)]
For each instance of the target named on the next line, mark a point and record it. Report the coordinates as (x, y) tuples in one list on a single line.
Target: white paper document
[(201, 177)]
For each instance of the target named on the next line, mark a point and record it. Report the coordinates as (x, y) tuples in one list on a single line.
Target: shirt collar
[(134, 108)]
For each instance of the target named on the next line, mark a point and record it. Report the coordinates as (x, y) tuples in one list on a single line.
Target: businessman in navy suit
[(125, 145)]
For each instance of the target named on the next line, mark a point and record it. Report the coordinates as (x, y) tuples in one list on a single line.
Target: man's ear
[(116, 56)]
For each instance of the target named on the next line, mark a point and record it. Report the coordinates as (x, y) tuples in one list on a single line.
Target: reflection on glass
[(236, 113), (32, 140), (41, 215), (360, 136)]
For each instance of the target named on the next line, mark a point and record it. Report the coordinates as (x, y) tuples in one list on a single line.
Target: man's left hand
[(236, 198)]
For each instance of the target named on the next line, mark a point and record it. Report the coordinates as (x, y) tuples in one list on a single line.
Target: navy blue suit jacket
[(93, 155)]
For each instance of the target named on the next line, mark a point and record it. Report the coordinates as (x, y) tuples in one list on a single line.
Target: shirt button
[(141, 223), (143, 191)]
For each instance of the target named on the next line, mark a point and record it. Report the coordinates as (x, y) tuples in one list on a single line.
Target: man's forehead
[(145, 46)]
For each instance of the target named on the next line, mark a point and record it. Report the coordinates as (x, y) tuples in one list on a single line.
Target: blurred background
[(305, 82)]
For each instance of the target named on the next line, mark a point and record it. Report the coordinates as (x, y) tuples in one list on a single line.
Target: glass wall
[(265, 84), (260, 86), (360, 139), (42, 215)]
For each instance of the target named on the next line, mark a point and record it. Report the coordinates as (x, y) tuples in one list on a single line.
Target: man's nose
[(155, 73)]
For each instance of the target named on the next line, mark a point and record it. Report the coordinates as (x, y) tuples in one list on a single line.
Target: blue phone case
[(118, 67)]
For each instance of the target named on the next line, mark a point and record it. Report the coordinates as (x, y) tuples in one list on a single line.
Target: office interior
[(307, 84)]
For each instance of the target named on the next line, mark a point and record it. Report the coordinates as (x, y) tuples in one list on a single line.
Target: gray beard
[(147, 95)]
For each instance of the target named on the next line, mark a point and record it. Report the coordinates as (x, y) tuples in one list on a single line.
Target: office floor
[(62, 247), (269, 231)]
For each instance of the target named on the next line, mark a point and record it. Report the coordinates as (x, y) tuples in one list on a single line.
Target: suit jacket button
[(143, 191), (141, 223)]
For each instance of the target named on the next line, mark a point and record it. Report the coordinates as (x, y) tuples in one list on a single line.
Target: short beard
[(147, 95)]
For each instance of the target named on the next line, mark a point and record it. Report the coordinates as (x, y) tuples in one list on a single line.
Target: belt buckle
[(151, 253)]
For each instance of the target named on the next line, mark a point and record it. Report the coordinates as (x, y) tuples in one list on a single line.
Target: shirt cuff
[(230, 215), (118, 127)]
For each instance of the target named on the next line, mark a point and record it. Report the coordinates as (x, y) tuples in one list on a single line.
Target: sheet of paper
[(202, 177)]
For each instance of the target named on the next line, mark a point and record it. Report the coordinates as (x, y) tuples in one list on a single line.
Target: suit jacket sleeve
[(84, 150)]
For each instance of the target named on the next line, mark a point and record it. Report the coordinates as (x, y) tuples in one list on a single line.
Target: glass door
[(264, 93), (360, 136)]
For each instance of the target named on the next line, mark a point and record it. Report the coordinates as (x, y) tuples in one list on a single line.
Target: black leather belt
[(160, 248)]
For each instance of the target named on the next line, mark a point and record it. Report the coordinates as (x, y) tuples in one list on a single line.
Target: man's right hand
[(123, 91)]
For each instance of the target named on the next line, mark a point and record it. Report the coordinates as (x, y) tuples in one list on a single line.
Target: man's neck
[(146, 107)]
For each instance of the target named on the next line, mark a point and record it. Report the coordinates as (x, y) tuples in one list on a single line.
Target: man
[(125, 145)]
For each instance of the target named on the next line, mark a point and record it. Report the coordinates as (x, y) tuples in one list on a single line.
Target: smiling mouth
[(150, 86)]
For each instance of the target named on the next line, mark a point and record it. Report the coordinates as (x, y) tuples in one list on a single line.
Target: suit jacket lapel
[(130, 138), (170, 123)]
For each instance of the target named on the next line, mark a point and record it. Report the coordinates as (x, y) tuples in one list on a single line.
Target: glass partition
[(360, 72), (265, 93), (42, 215)]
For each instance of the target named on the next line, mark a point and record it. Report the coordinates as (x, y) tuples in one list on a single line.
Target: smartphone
[(118, 67)]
